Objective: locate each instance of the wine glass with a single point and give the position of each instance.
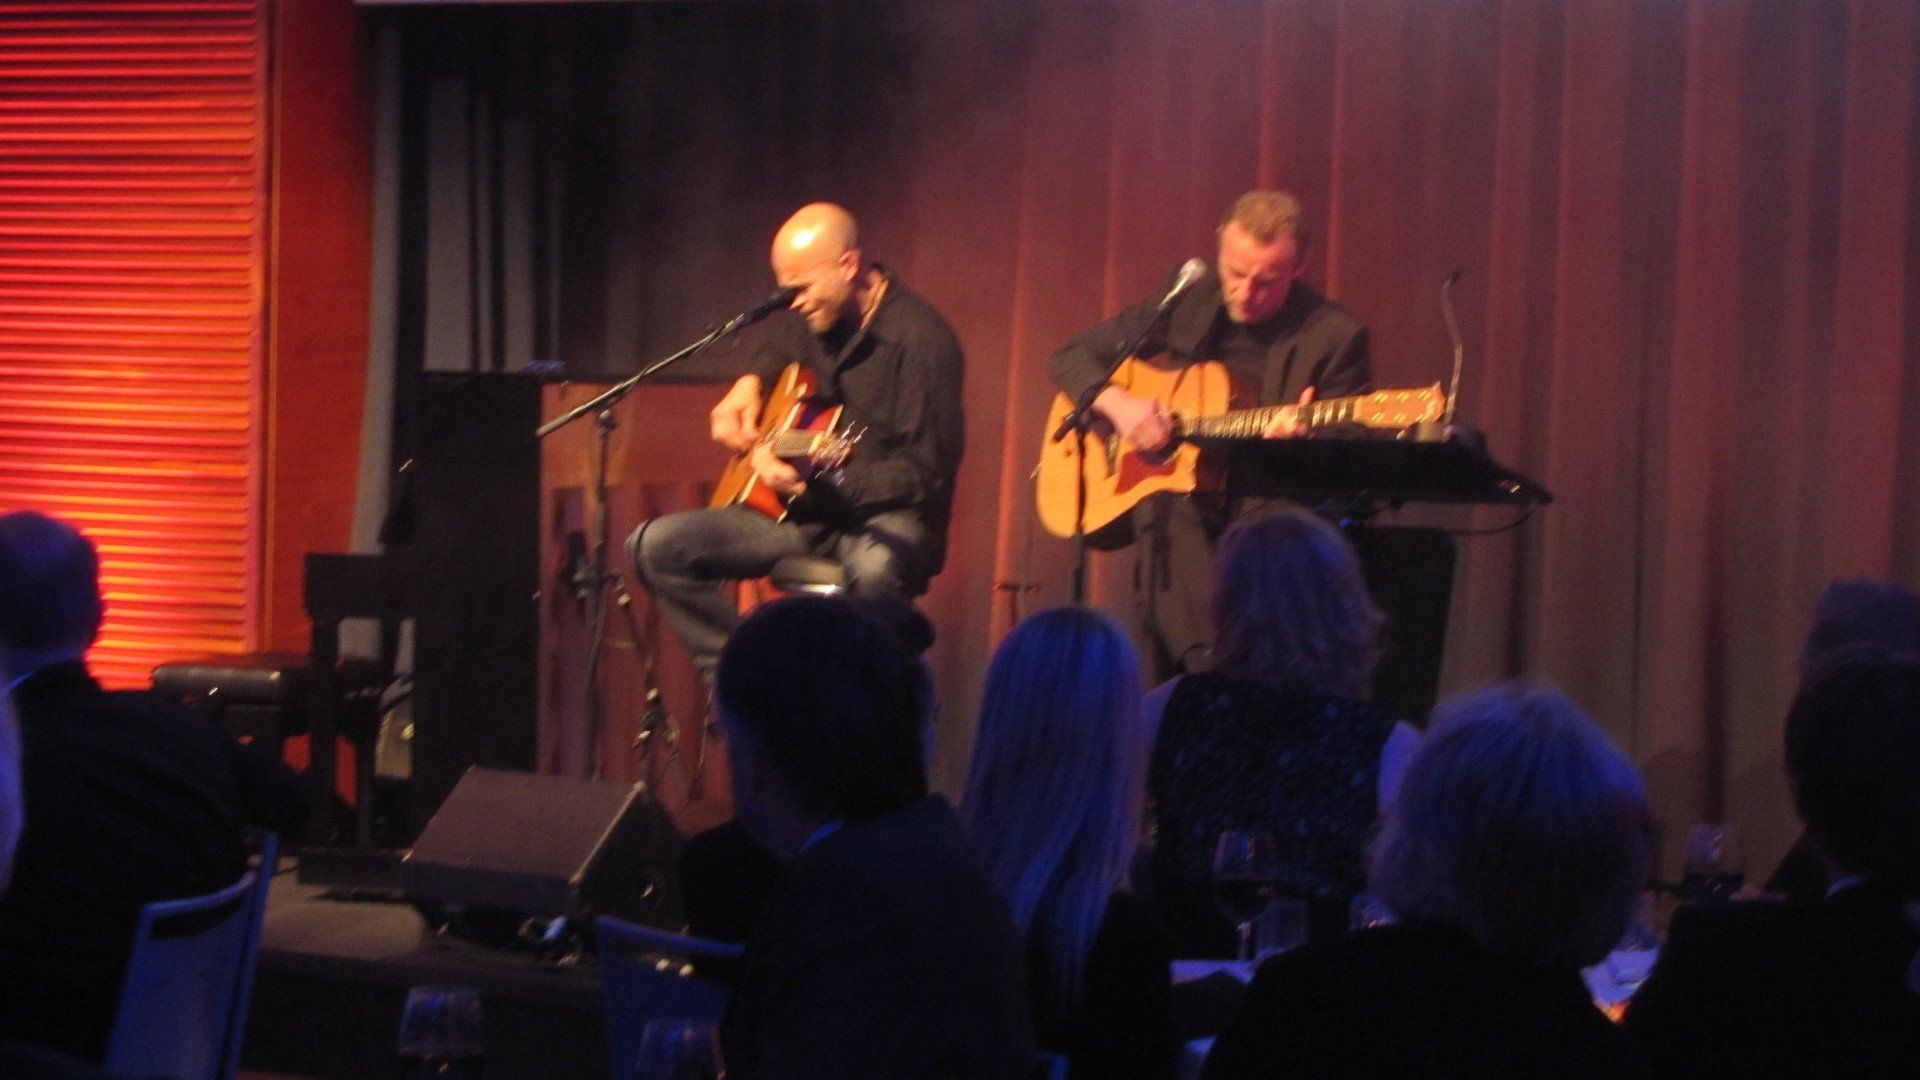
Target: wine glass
(1246, 863)
(1368, 910)
(442, 1034)
(1283, 925)
(680, 1050)
(1714, 870)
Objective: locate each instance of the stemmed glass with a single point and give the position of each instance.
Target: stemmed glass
(1246, 866)
(1714, 870)
(680, 1050)
(442, 1033)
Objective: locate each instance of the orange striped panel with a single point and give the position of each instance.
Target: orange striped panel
(132, 248)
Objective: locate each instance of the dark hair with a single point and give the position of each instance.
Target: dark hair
(1290, 606)
(49, 584)
(1853, 754)
(1861, 612)
(829, 699)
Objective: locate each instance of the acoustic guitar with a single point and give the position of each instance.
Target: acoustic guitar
(1119, 474)
(805, 432)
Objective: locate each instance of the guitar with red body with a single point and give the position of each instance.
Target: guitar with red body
(804, 432)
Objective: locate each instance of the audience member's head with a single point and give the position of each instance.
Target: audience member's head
(1861, 612)
(12, 798)
(1519, 823)
(1290, 606)
(50, 603)
(1853, 755)
(822, 707)
(1053, 799)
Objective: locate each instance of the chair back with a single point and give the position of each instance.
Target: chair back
(647, 973)
(183, 1003)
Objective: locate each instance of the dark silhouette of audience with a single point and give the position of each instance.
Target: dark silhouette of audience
(1858, 612)
(1053, 803)
(1813, 989)
(129, 799)
(1279, 736)
(885, 950)
(1513, 853)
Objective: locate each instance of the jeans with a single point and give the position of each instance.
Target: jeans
(685, 558)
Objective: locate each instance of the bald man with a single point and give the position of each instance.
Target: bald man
(887, 356)
(1280, 340)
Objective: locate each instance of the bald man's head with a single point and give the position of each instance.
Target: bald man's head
(818, 249)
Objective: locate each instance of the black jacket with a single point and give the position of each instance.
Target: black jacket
(884, 952)
(130, 798)
(900, 379)
(1416, 1002)
(1320, 345)
(1760, 989)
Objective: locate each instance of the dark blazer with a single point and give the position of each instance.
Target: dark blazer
(1769, 989)
(885, 952)
(1320, 344)
(130, 798)
(1416, 1001)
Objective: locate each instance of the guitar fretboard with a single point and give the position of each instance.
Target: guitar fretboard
(1251, 423)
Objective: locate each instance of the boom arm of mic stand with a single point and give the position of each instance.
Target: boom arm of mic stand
(1076, 418)
(619, 390)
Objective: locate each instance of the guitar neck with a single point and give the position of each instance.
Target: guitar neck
(1379, 409)
(1251, 423)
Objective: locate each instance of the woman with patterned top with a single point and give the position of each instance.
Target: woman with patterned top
(1279, 736)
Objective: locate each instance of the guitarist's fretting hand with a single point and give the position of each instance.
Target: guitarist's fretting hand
(775, 473)
(1287, 423)
(1142, 421)
(734, 422)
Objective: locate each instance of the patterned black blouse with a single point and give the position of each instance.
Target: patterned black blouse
(1233, 753)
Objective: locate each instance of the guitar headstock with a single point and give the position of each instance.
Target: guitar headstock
(1400, 408)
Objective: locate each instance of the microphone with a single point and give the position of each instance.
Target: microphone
(1459, 349)
(782, 297)
(1191, 271)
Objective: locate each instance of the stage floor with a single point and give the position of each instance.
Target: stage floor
(334, 972)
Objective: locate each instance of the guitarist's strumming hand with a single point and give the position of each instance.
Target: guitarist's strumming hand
(775, 473)
(734, 422)
(1145, 422)
(1286, 423)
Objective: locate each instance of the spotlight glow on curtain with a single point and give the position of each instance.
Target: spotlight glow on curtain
(132, 241)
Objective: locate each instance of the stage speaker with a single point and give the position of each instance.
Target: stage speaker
(546, 846)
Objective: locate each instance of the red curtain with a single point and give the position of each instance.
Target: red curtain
(1687, 234)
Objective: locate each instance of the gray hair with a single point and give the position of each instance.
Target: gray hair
(1519, 823)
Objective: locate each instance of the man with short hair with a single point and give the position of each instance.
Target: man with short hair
(885, 355)
(1280, 340)
(130, 799)
(884, 951)
(1768, 988)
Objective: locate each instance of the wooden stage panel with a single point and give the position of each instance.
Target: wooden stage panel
(660, 460)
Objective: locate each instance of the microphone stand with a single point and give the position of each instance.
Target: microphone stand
(591, 579)
(1076, 421)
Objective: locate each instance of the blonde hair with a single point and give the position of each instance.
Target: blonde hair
(1268, 215)
(1053, 799)
(13, 796)
(1518, 822)
(1290, 607)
